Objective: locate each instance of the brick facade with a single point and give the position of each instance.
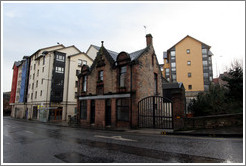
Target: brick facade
(141, 78)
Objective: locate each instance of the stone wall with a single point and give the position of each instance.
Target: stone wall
(214, 121)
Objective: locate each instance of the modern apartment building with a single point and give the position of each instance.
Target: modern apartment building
(46, 83)
(190, 62)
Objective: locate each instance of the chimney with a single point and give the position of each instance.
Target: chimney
(149, 39)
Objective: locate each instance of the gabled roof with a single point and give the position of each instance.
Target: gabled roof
(113, 54)
(47, 48)
(189, 37)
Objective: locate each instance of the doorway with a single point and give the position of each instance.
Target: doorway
(108, 112)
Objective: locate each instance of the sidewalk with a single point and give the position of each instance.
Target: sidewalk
(218, 132)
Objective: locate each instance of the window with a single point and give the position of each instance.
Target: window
(36, 83)
(156, 83)
(44, 60)
(34, 67)
(31, 95)
(84, 83)
(84, 62)
(172, 55)
(167, 72)
(188, 51)
(152, 60)
(173, 64)
(59, 70)
(32, 85)
(204, 55)
(189, 74)
(37, 73)
(100, 75)
(123, 109)
(35, 94)
(190, 87)
(75, 110)
(210, 78)
(79, 62)
(75, 95)
(122, 76)
(41, 93)
(205, 63)
(83, 109)
(43, 69)
(31, 67)
(42, 81)
(60, 58)
(77, 72)
(174, 77)
(188, 63)
(33, 76)
(205, 75)
(204, 51)
(76, 84)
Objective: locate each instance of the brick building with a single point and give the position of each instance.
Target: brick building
(109, 91)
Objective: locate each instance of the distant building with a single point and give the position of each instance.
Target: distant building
(219, 80)
(46, 83)
(190, 62)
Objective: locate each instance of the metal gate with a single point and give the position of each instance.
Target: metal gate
(155, 112)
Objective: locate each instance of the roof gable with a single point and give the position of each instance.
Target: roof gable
(191, 38)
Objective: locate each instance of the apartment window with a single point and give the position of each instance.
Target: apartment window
(36, 83)
(31, 67)
(43, 69)
(37, 73)
(84, 62)
(60, 58)
(122, 76)
(32, 85)
(188, 63)
(77, 72)
(79, 62)
(83, 109)
(210, 78)
(190, 87)
(173, 66)
(41, 93)
(76, 84)
(44, 60)
(84, 83)
(156, 83)
(33, 76)
(31, 95)
(204, 55)
(172, 55)
(204, 51)
(42, 81)
(189, 74)
(205, 63)
(205, 75)
(174, 77)
(100, 75)
(188, 51)
(75, 95)
(122, 109)
(35, 94)
(34, 67)
(59, 70)
(167, 72)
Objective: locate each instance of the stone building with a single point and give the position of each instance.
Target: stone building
(109, 90)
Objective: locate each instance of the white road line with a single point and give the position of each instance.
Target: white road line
(28, 131)
(115, 138)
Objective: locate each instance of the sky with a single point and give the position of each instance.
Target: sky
(29, 26)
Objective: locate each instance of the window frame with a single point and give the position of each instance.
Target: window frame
(119, 106)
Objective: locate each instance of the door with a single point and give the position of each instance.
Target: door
(108, 112)
(35, 112)
(92, 111)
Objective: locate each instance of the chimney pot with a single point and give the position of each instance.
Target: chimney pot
(149, 39)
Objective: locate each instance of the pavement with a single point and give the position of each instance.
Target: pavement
(236, 131)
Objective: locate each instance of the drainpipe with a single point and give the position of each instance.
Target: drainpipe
(67, 86)
(131, 96)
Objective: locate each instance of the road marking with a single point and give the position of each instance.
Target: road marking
(115, 138)
(28, 131)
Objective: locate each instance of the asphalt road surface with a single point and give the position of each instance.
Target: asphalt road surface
(28, 142)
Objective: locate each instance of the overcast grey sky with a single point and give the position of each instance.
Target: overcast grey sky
(27, 27)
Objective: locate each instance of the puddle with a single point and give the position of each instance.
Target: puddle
(75, 157)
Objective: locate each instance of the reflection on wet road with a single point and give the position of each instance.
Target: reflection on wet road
(25, 142)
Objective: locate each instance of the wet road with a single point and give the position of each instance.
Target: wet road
(26, 142)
